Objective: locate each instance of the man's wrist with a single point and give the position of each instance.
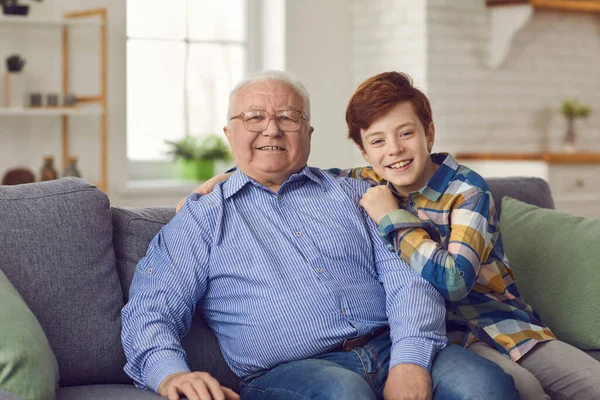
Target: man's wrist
(413, 351)
(163, 368)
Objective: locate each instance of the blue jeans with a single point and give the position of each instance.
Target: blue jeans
(359, 374)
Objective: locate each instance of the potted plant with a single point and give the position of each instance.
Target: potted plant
(197, 156)
(572, 110)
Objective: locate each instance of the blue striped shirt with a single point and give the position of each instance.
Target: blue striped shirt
(278, 276)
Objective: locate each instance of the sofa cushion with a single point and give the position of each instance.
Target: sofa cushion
(27, 365)
(56, 248)
(134, 228)
(555, 257)
(530, 190)
(112, 392)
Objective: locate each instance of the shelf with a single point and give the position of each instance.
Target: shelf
(27, 20)
(551, 158)
(50, 111)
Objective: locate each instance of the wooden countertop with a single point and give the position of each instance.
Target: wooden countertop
(551, 158)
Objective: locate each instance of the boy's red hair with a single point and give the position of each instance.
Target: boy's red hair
(376, 96)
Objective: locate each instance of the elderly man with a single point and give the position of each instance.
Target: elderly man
(290, 273)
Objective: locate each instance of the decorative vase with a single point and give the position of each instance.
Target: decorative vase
(197, 170)
(14, 88)
(570, 140)
(48, 172)
(71, 169)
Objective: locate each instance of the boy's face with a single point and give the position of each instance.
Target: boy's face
(398, 148)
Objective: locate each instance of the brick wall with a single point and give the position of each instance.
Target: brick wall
(389, 35)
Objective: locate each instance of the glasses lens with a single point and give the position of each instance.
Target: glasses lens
(255, 120)
(258, 120)
(288, 120)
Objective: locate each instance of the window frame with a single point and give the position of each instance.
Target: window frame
(161, 170)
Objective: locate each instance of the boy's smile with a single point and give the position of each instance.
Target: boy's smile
(398, 148)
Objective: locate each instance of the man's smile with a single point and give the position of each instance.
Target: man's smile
(271, 148)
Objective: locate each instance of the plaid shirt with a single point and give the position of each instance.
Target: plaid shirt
(448, 232)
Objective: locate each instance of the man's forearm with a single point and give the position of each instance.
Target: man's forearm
(416, 313)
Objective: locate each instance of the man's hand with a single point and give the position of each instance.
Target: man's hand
(206, 187)
(407, 382)
(378, 202)
(194, 386)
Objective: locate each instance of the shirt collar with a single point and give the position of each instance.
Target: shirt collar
(441, 178)
(238, 180)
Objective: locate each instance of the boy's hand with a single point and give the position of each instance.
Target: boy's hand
(206, 187)
(378, 202)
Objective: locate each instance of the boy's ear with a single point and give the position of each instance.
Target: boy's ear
(364, 154)
(430, 136)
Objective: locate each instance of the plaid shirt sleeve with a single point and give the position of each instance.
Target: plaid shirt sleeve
(473, 232)
(362, 173)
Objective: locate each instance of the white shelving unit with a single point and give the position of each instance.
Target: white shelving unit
(90, 106)
(50, 22)
(50, 111)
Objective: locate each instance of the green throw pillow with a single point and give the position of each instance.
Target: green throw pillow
(28, 367)
(556, 260)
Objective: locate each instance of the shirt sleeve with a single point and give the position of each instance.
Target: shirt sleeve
(362, 173)
(167, 284)
(416, 311)
(473, 233)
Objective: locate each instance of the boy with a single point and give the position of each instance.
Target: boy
(439, 216)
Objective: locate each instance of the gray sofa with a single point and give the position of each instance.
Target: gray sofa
(72, 257)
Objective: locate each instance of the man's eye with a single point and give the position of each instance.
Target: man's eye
(254, 118)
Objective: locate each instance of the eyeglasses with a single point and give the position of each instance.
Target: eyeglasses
(258, 120)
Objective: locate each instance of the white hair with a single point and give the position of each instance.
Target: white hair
(276, 75)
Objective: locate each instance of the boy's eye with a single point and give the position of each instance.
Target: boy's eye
(377, 141)
(406, 134)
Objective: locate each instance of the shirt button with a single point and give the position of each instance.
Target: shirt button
(279, 198)
(150, 270)
(298, 233)
(319, 270)
(411, 203)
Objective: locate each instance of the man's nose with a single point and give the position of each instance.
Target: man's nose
(272, 129)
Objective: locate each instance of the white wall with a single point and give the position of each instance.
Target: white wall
(389, 35)
(515, 107)
(319, 51)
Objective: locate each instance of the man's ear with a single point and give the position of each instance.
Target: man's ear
(310, 132)
(430, 136)
(227, 132)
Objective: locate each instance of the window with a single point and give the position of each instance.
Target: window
(183, 59)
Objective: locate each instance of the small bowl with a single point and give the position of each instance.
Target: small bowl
(15, 9)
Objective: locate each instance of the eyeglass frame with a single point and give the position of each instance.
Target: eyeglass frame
(271, 116)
